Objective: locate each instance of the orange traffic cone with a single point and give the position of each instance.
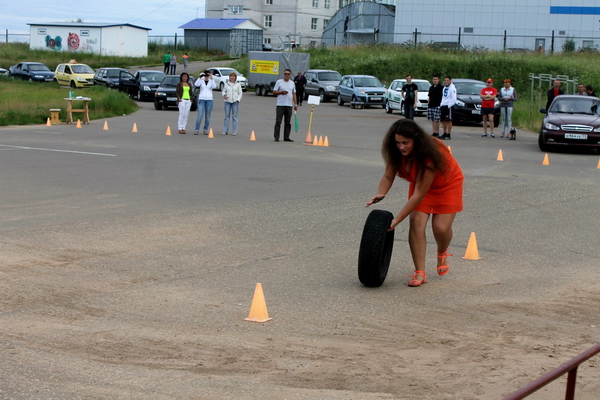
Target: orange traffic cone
(326, 142)
(252, 137)
(308, 138)
(546, 160)
(48, 123)
(105, 125)
(134, 127)
(169, 131)
(320, 140)
(500, 158)
(258, 309)
(210, 134)
(472, 253)
(78, 124)
(315, 141)
(598, 167)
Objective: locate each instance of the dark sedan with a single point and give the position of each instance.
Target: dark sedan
(146, 83)
(31, 71)
(571, 121)
(165, 96)
(468, 103)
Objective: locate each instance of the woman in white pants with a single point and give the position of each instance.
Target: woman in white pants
(507, 97)
(232, 93)
(184, 100)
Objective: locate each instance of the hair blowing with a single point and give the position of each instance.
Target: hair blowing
(426, 148)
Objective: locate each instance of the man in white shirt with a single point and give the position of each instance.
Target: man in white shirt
(448, 100)
(285, 90)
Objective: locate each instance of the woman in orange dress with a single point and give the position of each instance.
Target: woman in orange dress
(435, 189)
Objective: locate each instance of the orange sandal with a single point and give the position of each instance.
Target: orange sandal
(415, 281)
(444, 268)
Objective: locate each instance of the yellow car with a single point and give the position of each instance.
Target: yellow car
(74, 75)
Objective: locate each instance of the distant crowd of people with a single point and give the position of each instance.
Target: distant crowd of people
(170, 62)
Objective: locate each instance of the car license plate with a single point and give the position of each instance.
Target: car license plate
(171, 98)
(478, 112)
(580, 136)
(375, 98)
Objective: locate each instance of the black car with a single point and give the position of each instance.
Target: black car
(468, 103)
(31, 71)
(165, 96)
(110, 77)
(146, 83)
(571, 120)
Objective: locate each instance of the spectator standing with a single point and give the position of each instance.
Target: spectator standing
(488, 101)
(186, 60)
(590, 91)
(300, 82)
(448, 100)
(184, 100)
(173, 63)
(433, 105)
(167, 62)
(410, 94)
(285, 90)
(552, 93)
(205, 85)
(232, 93)
(581, 90)
(508, 96)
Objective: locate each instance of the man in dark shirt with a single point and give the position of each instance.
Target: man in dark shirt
(433, 106)
(552, 93)
(410, 93)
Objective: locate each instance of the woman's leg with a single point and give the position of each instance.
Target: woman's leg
(503, 115)
(227, 106)
(441, 224)
(234, 113)
(201, 104)
(209, 107)
(509, 111)
(418, 240)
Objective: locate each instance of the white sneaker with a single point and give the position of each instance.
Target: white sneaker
(234, 133)
(224, 133)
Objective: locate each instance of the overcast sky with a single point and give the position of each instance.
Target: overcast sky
(162, 16)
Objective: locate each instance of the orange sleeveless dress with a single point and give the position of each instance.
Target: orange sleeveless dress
(445, 196)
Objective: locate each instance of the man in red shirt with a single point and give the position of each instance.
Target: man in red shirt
(555, 91)
(488, 101)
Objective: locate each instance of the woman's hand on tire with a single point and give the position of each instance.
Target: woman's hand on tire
(376, 199)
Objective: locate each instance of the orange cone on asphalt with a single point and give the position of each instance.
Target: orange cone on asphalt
(308, 138)
(315, 141)
(134, 127)
(210, 134)
(169, 131)
(252, 137)
(472, 253)
(326, 142)
(258, 309)
(48, 123)
(598, 167)
(500, 158)
(105, 125)
(78, 124)
(546, 160)
(320, 140)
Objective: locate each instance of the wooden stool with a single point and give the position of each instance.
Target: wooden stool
(54, 117)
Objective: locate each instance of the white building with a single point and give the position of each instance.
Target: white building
(105, 39)
(298, 22)
(508, 24)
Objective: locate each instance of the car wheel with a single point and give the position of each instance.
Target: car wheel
(257, 90)
(157, 106)
(322, 97)
(73, 85)
(387, 107)
(401, 108)
(221, 86)
(376, 247)
(542, 143)
(30, 79)
(139, 95)
(339, 100)
(194, 105)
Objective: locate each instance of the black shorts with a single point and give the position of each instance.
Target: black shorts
(446, 113)
(487, 111)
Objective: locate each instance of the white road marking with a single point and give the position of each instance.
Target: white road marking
(57, 150)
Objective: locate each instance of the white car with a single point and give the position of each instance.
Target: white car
(221, 75)
(3, 71)
(393, 96)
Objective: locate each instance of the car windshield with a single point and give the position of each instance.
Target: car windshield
(82, 69)
(575, 106)
(152, 76)
(227, 71)
(330, 76)
(469, 87)
(113, 73)
(423, 86)
(38, 67)
(367, 82)
(170, 81)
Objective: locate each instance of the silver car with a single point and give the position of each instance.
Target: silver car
(323, 83)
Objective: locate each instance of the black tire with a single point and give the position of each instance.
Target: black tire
(322, 97)
(387, 107)
(194, 105)
(257, 90)
(542, 143)
(376, 247)
(221, 86)
(402, 108)
(157, 106)
(496, 122)
(340, 101)
(73, 85)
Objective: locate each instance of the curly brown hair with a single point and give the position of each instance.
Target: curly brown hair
(426, 148)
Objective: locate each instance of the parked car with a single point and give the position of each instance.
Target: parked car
(3, 71)
(146, 82)
(363, 88)
(74, 75)
(221, 76)
(165, 95)
(468, 102)
(31, 71)
(267, 47)
(109, 76)
(571, 120)
(393, 96)
(323, 83)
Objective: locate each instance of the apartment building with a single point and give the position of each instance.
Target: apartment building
(286, 23)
